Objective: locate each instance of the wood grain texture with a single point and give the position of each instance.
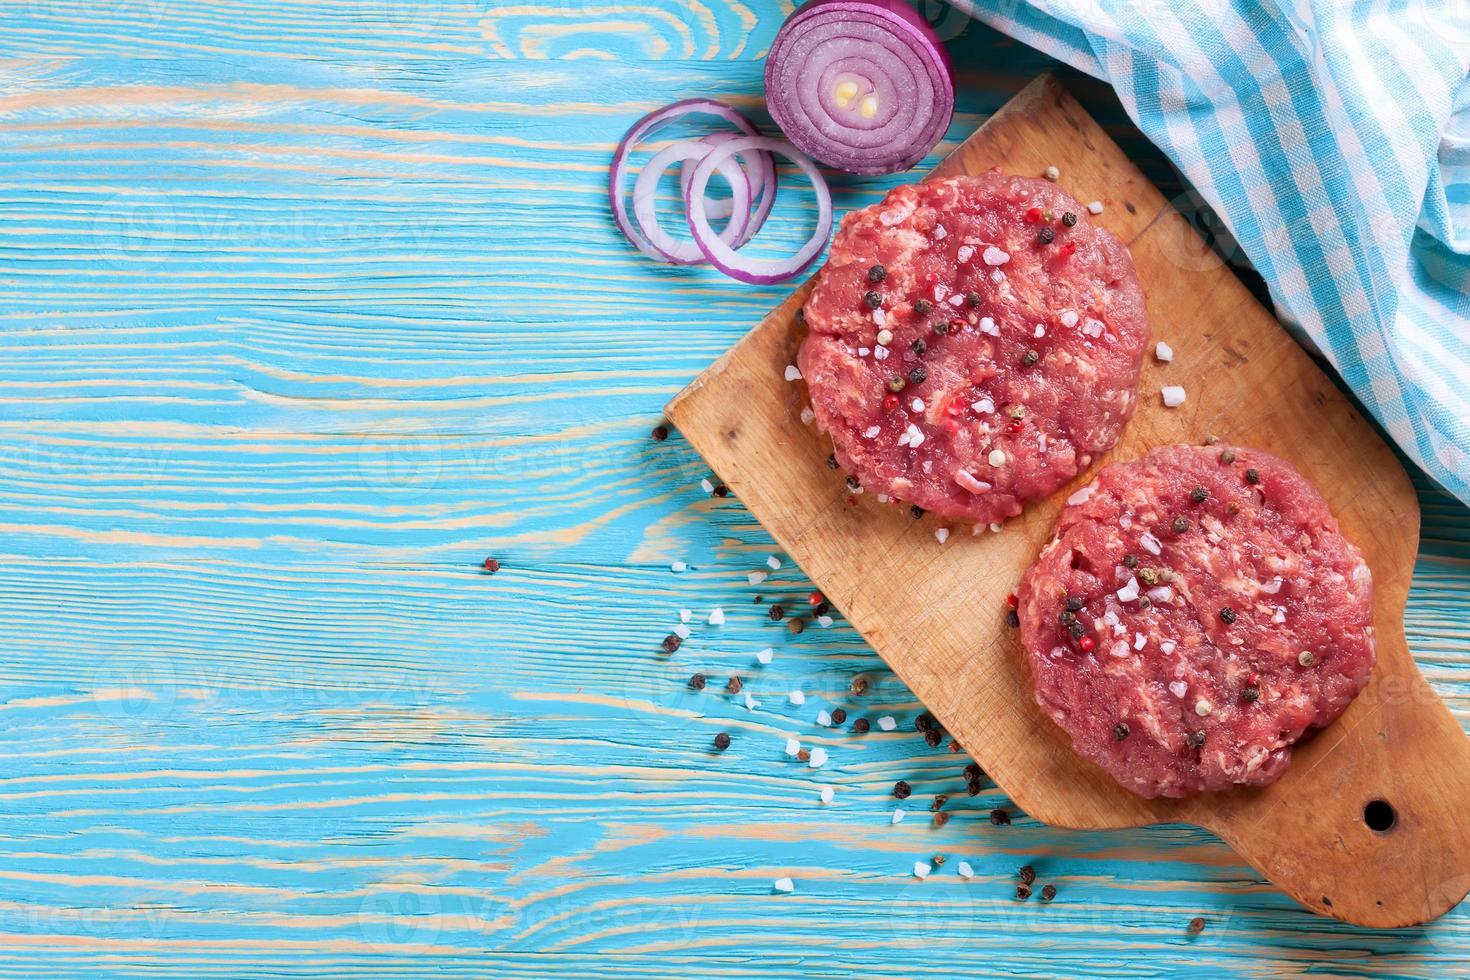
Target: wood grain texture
(306, 308)
(934, 609)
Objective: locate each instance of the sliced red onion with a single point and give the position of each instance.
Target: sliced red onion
(862, 85)
(725, 258)
(643, 127)
(688, 253)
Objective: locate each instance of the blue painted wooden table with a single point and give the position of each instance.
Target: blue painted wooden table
(310, 307)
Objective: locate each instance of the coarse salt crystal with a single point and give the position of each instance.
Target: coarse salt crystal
(942, 533)
(1120, 649)
(995, 527)
(955, 300)
(824, 621)
(1178, 688)
(1139, 641)
(879, 317)
(1068, 318)
(827, 794)
(681, 631)
(818, 759)
(1040, 330)
(887, 723)
(750, 702)
(1081, 496)
(880, 353)
(717, 616)
(1279, 616)
(940, 291)
(756, 578)
(940, 233)
(796, 698)
(964, 870)
(1151, 544)
(824, 719)
(917, 404)
(915, 437)
(1163, 352)
(897, 816)
(1173, 395)
(706, 486)
(984, 406)
(1167, 646)
(685, 614)
(1272, 587)
(807, 415)
(988, 327)
(1095, 207)
(1129, 592)
(872, 431)
(1093, 328)
(965, 252)
(1161, 593)
(995, 256)
(784, 885)
(921, 870)
(677, 566)
(882, 498)
(793, 747)
(996, 458)
(793, 373)
(764, 656)
(773, 562)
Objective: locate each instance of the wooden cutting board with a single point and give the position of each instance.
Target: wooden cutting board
(936, 612)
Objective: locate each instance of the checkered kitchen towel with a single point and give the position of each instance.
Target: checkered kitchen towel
(1333, 138)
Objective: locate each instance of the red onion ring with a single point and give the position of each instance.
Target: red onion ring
(725, 258)
(688, 253)
(862, 85)
(764, 164)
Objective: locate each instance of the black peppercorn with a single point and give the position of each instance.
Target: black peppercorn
(861, 726)
(1227, 456)
(660, 433)
(832, 461)
(915, 511)
(1196, 739)
(721, 490)
(873, 299)
(941, 327)
(1181, 524)
(1074, 604)
(1045, 235)
(1227, 615)
(1120, 730)
(923, 307)
(1251, 694)
(973, 771)
(924, 722)
(722, 741)
(973, 298)
(1130, 560)
(1067, 617)
(918, 346)
(1068, 218)
(877, 274)
(1199, 495)
(1012, 620)
(1075, 628)
(917, 376)
(821, 609)
(902, 790)
(697, 682)
(1252, 476)
(671, 643)
(801, 315)
(1029, 358)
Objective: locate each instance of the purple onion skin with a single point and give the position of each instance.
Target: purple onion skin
(912, 30)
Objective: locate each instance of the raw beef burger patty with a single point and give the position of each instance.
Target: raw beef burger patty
(969, 348)
(1196, 613)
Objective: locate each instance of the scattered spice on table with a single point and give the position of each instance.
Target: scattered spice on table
(1196, 926)
(660, 433)
(902, 790)
(859, 685)
(776, 612)
(722, 741)
(861, 726)
(999, 817)
(795, 625)
(839, 715)
(734, 684)
(1252, 476)
(697, 682)
(721, 490)
(940, 819)
(804, 755)
(1048, 892)
(933, 737)
(1227, 615)
(491, 565)
(939, 802)
(671, 643)
(1027, 874)
(1181, 524)
(1023, 892)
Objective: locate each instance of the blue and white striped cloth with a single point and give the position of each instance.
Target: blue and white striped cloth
(1333, 138)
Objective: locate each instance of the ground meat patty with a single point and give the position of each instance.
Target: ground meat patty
(973, 343)
(1196, 613)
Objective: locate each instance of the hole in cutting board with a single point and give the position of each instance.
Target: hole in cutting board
(1380, 816)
